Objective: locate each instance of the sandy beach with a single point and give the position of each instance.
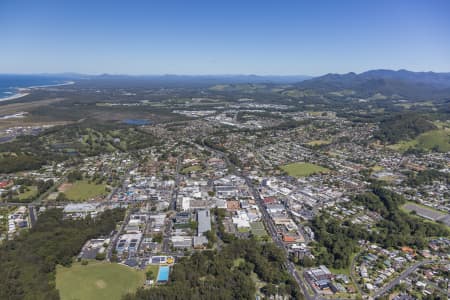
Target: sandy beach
(48, 85)
(22, 92)
(15, 96)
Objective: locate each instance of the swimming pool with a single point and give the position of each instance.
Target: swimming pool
(163, 274)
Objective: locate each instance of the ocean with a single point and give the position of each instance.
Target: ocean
(9, 84)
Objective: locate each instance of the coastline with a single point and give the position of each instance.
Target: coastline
(22, 92)
(47, 85)
(15, 96)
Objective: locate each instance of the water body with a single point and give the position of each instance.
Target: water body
(10, 84)
(136, 122)
(163, 274)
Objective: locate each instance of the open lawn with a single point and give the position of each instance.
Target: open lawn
(377, 168)
(439, 139)
(82, 190)
(319, 142)
(97, 281)
(154, 270)
(303, 169)
(30, 191)
(243, 229)
(434, 139)
(191, 169)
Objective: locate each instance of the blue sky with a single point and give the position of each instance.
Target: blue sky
(223, 37)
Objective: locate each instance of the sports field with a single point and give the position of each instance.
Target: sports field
(257, 229)
(82, 190)
(97, 281)
(303, 169)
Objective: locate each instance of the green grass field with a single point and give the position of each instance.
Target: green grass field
(82, 190)
(257, 229)
(439, 139)
(303, 169)
(191, 169)
(97, 281)
(243, 229)
(31, 192)
(377, 168)
(154, 269)
(319, 142)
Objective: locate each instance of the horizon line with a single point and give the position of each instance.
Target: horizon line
(212, 74)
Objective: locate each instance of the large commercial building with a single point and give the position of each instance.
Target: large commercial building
(204, 221)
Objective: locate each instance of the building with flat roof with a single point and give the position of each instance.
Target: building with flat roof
(226, 191)
(128, 243)
(320, 273)
(181, 242)
(204, 221)
(80, 210)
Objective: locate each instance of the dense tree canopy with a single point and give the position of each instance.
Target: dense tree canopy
(336, 240)
(216, 275)
(27, 263)
(403, 127)
(398, 228)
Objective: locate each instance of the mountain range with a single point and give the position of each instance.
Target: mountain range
(401, 83)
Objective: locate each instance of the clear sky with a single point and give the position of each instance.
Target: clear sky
(223, 37)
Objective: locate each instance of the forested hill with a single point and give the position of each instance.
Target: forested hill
(402, 83)
(403, 127)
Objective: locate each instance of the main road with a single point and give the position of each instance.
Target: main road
(172, 207)
(289, 265)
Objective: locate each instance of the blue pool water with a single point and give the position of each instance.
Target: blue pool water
(163, 274)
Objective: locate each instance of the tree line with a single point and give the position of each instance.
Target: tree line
(226, 274)
(28, 263)
(337, 240)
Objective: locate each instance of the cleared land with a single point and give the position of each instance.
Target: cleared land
(434, 139)
(303, 169)
(97, 281)
(83, 190)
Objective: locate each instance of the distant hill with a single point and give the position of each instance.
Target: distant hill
(402, 83)
(171, 80)
(403, 127)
